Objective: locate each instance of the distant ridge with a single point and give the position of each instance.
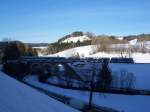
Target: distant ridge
(38, 44)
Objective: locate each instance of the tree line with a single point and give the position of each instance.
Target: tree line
(15, 49)
(57, 47)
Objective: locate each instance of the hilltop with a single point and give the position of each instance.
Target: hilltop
(104, 43)
(76, 37)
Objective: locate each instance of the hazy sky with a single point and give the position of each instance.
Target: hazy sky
(48, 20)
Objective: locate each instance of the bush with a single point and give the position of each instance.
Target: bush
(127, 79)
(123, 79)
(43, 74)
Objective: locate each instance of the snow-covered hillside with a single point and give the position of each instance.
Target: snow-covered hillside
(145, 44)
(87, 51)
(39, 47)
(76, 39)
(133, 42)
(120, 38)
(17, 97)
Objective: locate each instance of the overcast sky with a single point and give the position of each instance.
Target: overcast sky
(48, 20)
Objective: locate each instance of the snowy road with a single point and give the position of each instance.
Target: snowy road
(72, 102)
(125, 103)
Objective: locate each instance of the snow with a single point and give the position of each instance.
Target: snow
(137, 57)
(133, 42)
(119, 46)
(120, 38)
(87, 51)
(76, 39)
(39, 47)
(141, 57)
(124, 103)
(18, 97)
(140, 71)
(147, 44)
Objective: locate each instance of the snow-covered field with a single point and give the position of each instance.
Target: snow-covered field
(124, 103)
(140, 71)
(135, 42)
(87, 51)
(18, 97)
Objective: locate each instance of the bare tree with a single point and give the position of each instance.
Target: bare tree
(115, 79)
(130, 81)
(102, 43)
(127, 79)
(129, 51)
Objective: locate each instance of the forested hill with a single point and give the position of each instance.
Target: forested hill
(77, 39)
(38, 44)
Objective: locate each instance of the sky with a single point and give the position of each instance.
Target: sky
(48, 20)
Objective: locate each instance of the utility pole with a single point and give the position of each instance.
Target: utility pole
(91, 87)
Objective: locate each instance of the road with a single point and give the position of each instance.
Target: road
(72, 102)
